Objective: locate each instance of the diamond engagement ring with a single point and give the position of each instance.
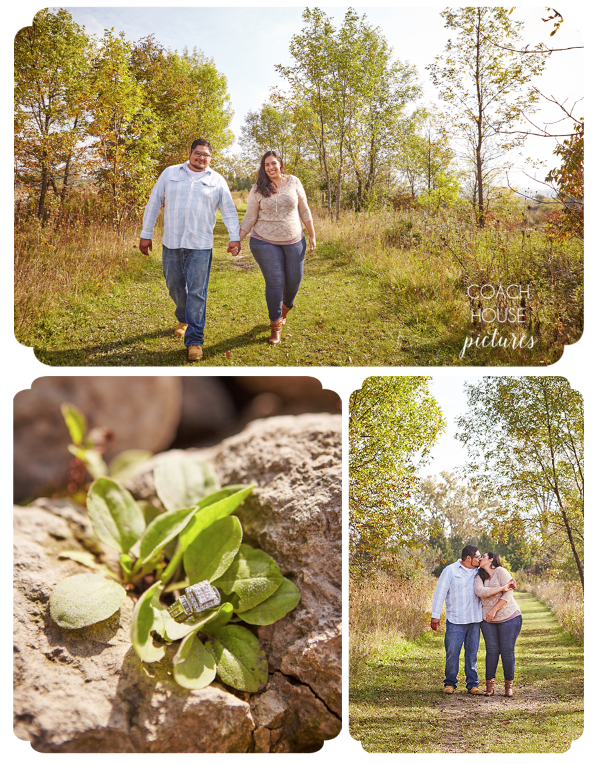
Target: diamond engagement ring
(197, 598)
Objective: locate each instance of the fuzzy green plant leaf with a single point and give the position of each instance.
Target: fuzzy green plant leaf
(213, 550)
(174, 630)
(85, 599)
(115, 516)
(149, 616)
(75, 421)
(125, 464)
(88, 560)
(241, 662)
(161, 531)
(182, 479)
(194, 666)
(211, 511)
(284, 599)
(252, 578)
(222, 618)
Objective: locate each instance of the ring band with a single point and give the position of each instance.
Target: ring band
(197, 598)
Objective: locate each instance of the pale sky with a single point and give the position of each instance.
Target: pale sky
(246, 42)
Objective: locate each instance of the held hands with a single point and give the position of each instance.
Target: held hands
(146, 246)
(234, 247)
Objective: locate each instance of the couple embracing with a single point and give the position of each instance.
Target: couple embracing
(192, 193)
(478, 595)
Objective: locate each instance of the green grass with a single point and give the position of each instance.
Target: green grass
(348, 313)
(397, 703)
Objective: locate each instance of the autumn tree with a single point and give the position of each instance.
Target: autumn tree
(485, 88)
(525, 437)
(51, 99)
(125, 129)
(187, 94)
(393, 424)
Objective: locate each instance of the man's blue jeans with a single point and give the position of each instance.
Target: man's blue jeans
(186, 274)
(500, 639)
(456, 635)
(282, 268)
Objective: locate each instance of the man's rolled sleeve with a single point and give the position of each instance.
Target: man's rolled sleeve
(228, 212)
(440, 594)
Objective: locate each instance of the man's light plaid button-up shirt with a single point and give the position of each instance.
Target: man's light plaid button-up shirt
(456, 588)
(191, 201)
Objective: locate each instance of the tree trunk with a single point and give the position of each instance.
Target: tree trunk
(479, 127)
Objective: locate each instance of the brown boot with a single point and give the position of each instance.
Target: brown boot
(509, 690)
(195, 353)
(275, 331)
(490, 687)
(181, 330)
(285, 311)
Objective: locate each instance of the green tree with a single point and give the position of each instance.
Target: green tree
(51, 64)
(346, 93)
(125, 128)
(525, 437)
(393, 423)
(485, 87)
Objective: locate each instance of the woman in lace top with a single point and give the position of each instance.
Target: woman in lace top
(502, 619)
(276, 213)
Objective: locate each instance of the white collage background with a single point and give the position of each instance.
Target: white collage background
(20, 368)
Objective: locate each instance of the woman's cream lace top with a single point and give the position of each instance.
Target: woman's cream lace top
(500, 578)
(278, 217)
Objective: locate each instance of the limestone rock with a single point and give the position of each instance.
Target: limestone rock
(143, 412)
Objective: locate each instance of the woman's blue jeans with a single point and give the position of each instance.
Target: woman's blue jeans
(282, 268)
(500, 640)
(186, 274)
(456, 635)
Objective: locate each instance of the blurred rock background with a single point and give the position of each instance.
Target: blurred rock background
(153, 413)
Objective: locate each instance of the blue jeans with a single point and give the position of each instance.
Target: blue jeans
(282, 268)
(500, 639)
(186, 274)
(456, 635)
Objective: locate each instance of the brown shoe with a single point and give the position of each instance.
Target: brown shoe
(475, 691)
(490, 687)
(275, 331)
(181, 330)
(285, 311)
(448, 689)
(194, 352)
(509, 690)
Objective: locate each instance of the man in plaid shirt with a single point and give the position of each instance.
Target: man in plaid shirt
(464, 614)
(191, 193)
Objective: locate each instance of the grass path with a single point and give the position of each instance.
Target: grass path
(344, 316)
(397, 703)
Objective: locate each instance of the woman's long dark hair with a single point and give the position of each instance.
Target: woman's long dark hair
(263, 183)
(495, 562)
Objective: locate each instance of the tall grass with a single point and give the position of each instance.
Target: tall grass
(384, 608)
(73, 255)
(430, 259)
(566, 600)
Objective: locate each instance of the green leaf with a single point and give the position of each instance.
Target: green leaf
(182, 479)
(161, 531)
(252, 578)
(211, 511)
(194, 666)
(213, 550)
(216, 617)
(222, 618)
(148, 616)
(114, 515)
(88, 560)
(284, 599)
(241, 662)
(125, 464)
(83, 600)
(75, 421)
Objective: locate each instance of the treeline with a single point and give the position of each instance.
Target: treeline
(108, 111)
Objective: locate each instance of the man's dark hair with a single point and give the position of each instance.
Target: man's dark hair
(468, 551)
(201, 142)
